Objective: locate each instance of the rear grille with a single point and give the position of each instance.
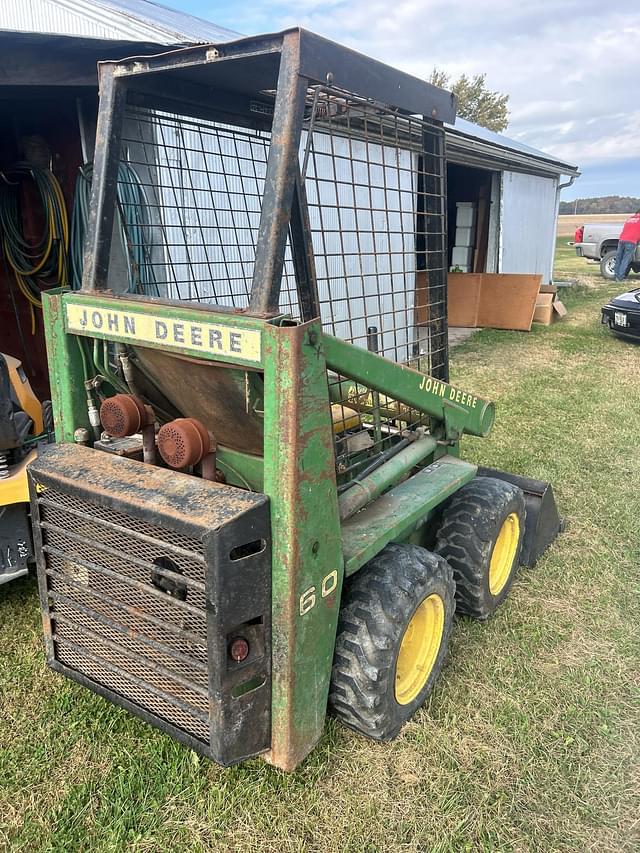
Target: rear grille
(146, 577)
(112, 617)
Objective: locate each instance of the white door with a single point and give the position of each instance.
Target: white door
(528, 224)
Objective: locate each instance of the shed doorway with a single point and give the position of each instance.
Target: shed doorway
(473, 212)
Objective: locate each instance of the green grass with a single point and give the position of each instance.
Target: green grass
(569, 266)
(530, 740)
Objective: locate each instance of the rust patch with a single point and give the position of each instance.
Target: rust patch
(195, 502)
(215, 396)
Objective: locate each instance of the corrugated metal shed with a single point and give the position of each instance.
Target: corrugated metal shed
(130, 20)
(146, 21)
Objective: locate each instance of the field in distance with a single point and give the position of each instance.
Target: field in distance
(568, 224)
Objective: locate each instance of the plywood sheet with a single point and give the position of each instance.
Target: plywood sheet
(464, 298)
(422, 299)
(508, 301)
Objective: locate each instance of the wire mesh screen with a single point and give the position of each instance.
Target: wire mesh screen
(374, 182)
(376, 205)
(202, 186)
(375, 189)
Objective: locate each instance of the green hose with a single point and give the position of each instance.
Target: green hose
(133, 226)
(109, 375)
(83, 356)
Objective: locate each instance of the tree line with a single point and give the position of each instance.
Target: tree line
(601, 204)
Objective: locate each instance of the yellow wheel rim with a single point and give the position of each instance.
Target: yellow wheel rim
(419, 649)
(504, 553)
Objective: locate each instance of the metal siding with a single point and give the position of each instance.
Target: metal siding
(62, 17)
(527, 223)
(108, 19)
(355, 251)
(180, 26)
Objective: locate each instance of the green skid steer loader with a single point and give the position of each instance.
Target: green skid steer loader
(255, 512)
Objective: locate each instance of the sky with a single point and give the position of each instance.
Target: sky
(571, 67)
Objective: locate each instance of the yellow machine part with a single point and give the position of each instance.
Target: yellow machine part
(344, 418)
(14, 489)
(28, 401)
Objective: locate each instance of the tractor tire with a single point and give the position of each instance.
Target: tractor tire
(608, 265)
(392, 640)
(480, 536)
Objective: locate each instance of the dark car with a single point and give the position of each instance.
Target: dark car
(622, 314)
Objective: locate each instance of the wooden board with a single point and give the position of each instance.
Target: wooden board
(507, 300)
(464, 298)
(421, 309)
(482, 227)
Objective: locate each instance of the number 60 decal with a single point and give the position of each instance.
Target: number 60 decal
(308, 597)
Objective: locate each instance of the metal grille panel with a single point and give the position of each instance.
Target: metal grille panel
(135, 526)
(110, 677)
(201, 186)
(113, 619)
(375, 190)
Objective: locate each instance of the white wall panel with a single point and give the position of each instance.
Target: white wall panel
(528, 224)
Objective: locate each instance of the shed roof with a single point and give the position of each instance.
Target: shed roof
(152, 23)
(475, 145)
(111, 20)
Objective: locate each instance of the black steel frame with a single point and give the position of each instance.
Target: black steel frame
(290, 63)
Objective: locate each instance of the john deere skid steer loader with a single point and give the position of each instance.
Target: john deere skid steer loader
(256, 511)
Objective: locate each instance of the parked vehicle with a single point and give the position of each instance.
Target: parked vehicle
(598, 241)
(622, 314)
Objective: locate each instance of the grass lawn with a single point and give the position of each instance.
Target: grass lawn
(531, 738)
(569, 266)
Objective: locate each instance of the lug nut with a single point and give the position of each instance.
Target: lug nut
(239, 649)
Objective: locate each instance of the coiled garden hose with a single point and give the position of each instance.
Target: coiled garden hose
(43, 262)
(133, 227)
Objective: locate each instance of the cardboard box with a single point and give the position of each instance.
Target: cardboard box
(544, 309)
(548, 308)
(559, 309)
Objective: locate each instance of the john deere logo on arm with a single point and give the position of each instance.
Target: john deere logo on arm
(212, 339)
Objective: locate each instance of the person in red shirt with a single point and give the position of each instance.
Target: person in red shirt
(627, 242)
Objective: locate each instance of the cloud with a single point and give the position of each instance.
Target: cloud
(571, 68)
